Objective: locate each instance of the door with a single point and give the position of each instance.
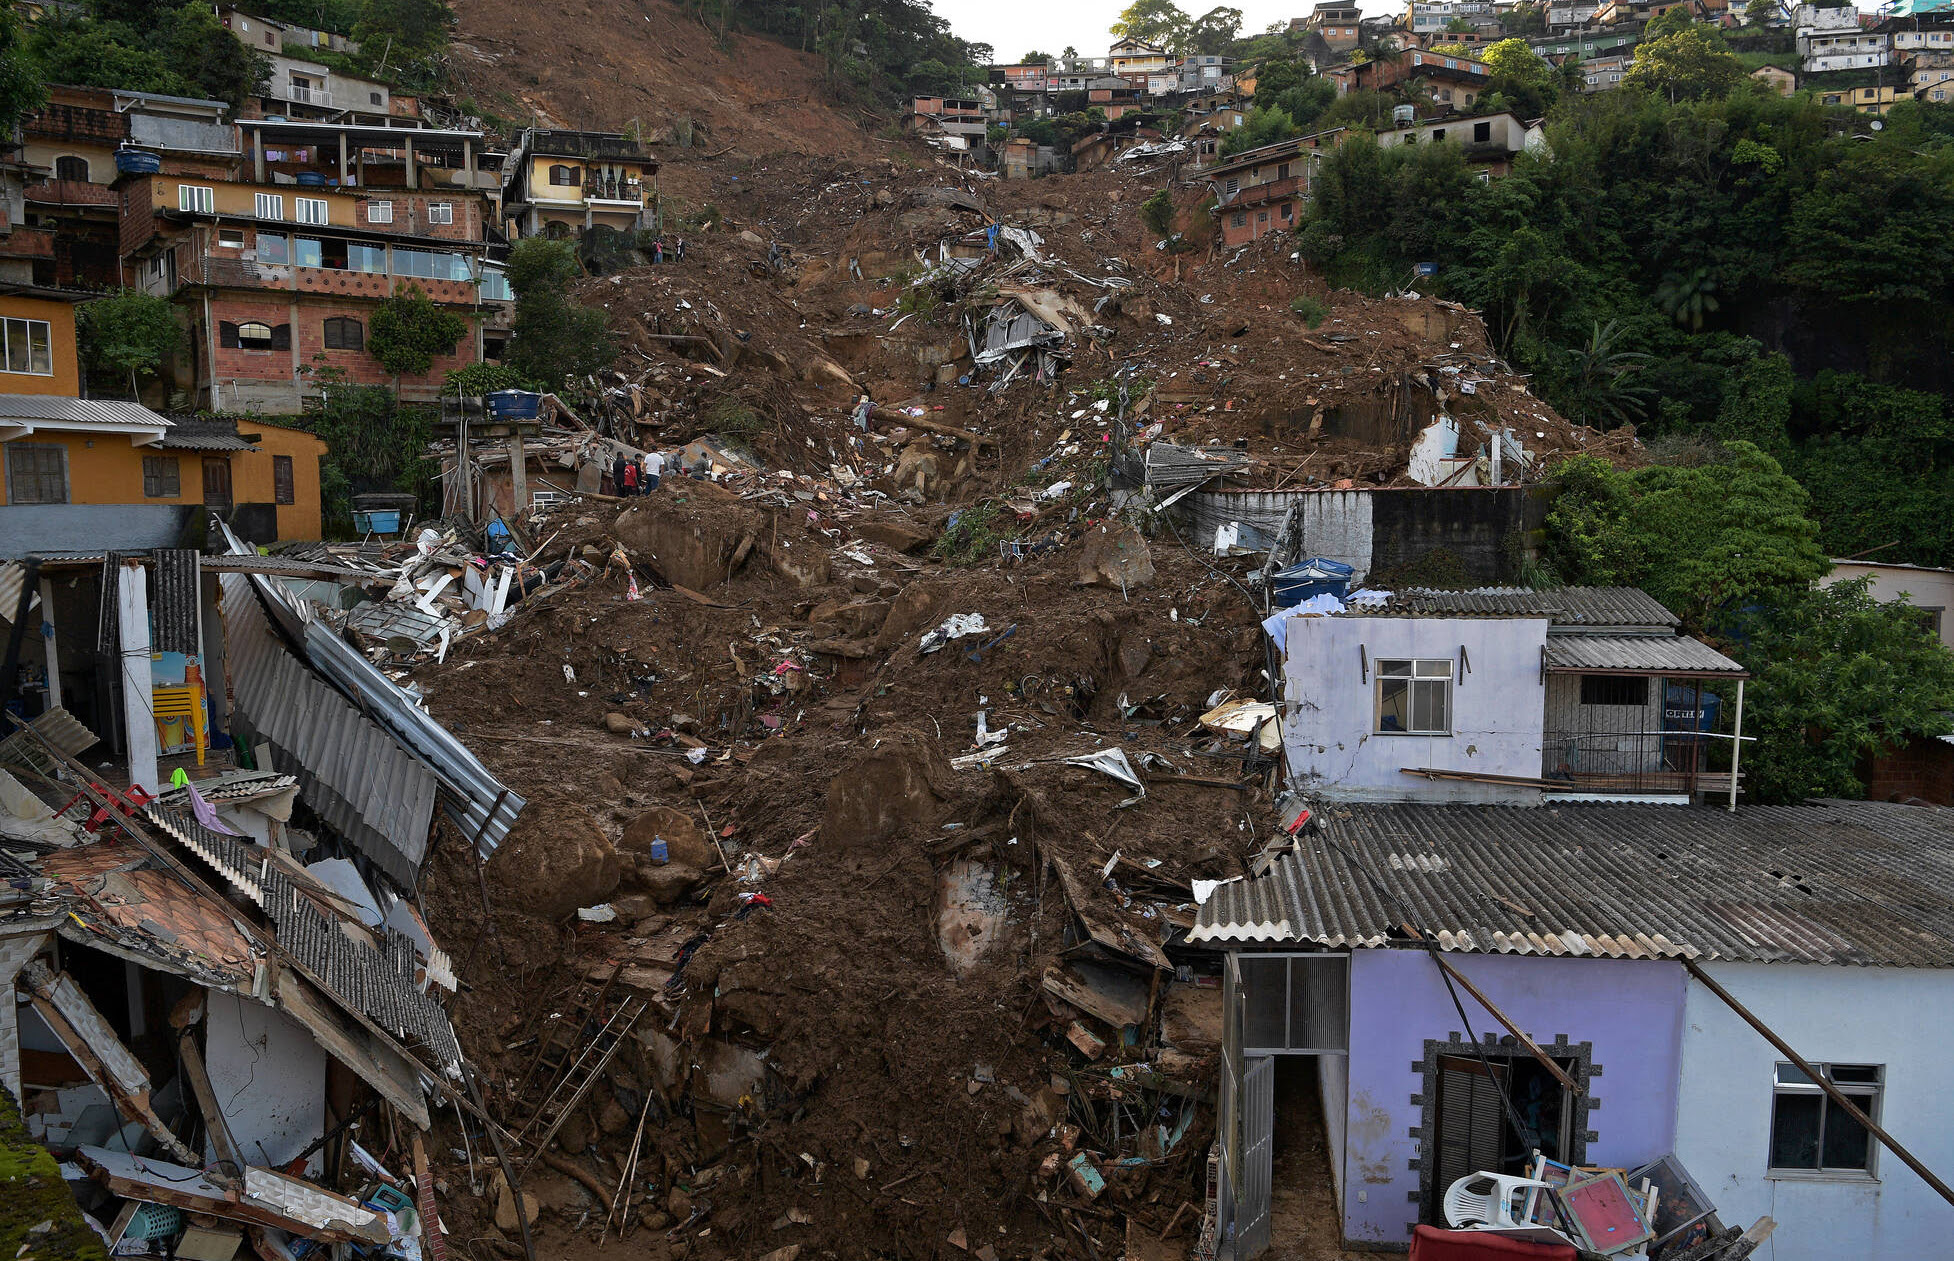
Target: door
(1258, 1156)
(217, 485)
(1471, 1127)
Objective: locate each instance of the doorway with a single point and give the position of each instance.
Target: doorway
(217, 485)
(1471, 1130)
(1305, 1223)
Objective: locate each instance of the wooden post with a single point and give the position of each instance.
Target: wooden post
(48, 644)
(518, 475)
(1736, 746)
(1818, 1079)
(139, 723)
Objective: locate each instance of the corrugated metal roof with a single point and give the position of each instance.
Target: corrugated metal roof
(1567, 606)
(1869, 883)
(176, 594)
(353, 772)
(1657, 654)
(78, 411)
(204, 434)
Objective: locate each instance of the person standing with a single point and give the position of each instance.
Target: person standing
(681, 250)
(630, 479)
(654, 469)
(617, 475)
(864, 406)
(657, 252)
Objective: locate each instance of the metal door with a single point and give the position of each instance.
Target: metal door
(1258, 1121)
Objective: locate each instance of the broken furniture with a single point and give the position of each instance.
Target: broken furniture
(1495, 1209)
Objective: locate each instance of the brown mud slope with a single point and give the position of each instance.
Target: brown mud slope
(615, 64)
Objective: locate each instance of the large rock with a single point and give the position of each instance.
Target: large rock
(1113, 555)
(901, 783)
(855, 620)
(555, 861)
(685, 844)
(668, 882)
(897, 536)
(916, 606)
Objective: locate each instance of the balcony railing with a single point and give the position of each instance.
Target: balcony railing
(1637, 763)
(300, 94)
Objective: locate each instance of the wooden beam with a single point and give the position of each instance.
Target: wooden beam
(1533, 1048)
(1832, 1092)
(214, 1123)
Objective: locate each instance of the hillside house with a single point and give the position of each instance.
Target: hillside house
(1582, 944)
(1428, 19)
(1450, 80)
(564, 183)
(1137, 57)
(1506, 695)
(1490, 143)
(1931, 75)
(1263, 190)
(300, 88)
(1777, 78)
(1833, 39)
(960, 124)
(1570, 14)
(1603, 74)
(1336, 24)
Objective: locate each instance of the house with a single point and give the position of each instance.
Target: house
(1024, 159)
(1585, 43)
(1570, 14)
(1427, 19)
(1932, 75)
(1777, 78)
(278, 278)
(304, 89)
(1507, 695)
(564, 183)
(1450, 80)
(1833, 39)
(268, 36)
(1411, 966)
(1602, 74)
(82, 139)
(1336, 24)
(1867, 91)
(1925, 588)
(1114, 95)
(1490, 143)
(1920, 33)
(961, 123)
(1136, 56)
(1204, 74)
(1263, 190)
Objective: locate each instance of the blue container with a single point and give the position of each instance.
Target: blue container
(311, 179)
(1317, 576)
(136, 162)
(377, 522)
(514, 404)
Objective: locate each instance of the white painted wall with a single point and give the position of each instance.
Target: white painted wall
(269, 1077)
(1497, 708)
(1923, 588)
(1900, 1017)
(1333, 1086)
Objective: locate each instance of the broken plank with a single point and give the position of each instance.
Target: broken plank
(1110, 994)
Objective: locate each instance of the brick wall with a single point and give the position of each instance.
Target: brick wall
(138, 216)
(1921, 768)
(276, 368)
(410, 213)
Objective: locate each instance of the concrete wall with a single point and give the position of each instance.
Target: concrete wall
(31, 528)
(1496, 708)
(1629, 1011)
(269, 1077)
(1902, 1018)
(1923, 588)
(1333, 1085)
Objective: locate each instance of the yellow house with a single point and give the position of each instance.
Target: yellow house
(1134, 56)
(562, 183)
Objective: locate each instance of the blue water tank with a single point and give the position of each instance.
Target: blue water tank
(311, 179)
(136, 162)
(514, 404)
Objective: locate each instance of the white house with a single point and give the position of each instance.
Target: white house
(1505, 695)
(1833, 39)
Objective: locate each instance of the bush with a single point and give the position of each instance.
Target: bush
(1157, 213)
(1313, 310)
(409, 331)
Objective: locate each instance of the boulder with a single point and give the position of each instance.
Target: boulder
(901, 783)
(916, 606)
(666, 883)
(1113, 555)
(505, 1210)
(897, 536)
(619, 724)
(555, 861)
(855, 620)
(685, 844)
(691, 543)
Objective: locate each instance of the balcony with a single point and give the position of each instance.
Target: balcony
(1263, 194)
(316, 97)
(1639, 735)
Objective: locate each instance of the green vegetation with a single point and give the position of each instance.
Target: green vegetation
(554, 336)
(38, 1214)
(1314, 310)
(408, 331)
(973, 534)
(373, 443)
(1157, 214)
(144, 46)
(486, 378)
(21, 88)
(873, 49)
(1165, 25)
(128, 334)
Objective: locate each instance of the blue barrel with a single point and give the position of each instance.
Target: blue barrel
(1316, 576)
(311, 179)
(514, 404)
(136, 162)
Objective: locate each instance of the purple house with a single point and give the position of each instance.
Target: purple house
(1417, 992)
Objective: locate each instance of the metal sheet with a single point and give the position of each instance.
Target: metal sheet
(1868, 883)
(1567, 606)
(176, 591)
(1655, 654)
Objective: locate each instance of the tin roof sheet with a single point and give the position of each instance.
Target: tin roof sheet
(79, 411)
(1868, 883)
(1656, 654)
(1565, 606)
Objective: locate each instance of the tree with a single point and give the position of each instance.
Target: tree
(1601, 388)
(21, 89)
(1211, 34)
(129, 333)
(408, 331)
(1157, 213)
(1457, 26)
(1262, 126)
(1705, 540)
(1157, 22)
(372, 443)
(553, 336)
(1835, 676)
(1688, 65)
(391, 32)
(1515, 61)
(1035, 58)
(1761, 12)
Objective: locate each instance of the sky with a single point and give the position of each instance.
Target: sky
(1015, 27)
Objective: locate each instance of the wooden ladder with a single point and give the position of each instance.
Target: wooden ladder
(575, 1084)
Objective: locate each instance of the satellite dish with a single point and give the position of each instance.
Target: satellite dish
(1878, 125)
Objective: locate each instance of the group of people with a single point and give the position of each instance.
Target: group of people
(660, 251)
(641, 476)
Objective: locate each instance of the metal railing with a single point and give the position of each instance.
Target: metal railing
(1637, 762)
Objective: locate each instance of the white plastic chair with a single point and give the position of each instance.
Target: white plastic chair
(1466, 1209)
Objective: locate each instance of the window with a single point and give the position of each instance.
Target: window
(373, 98)
(440, 212)
(270, 206)
(564, 176)
(1414, 697)
(366, 258)
(1611, 689)
(161, 477)
(1240, 220)
(1232, 186)
(345, 333)
(379, 212)
(1482, 132)
(274, 247)
(431, 265)
(1812, 1134)
(281, 479)
(196, 199)
(495, 286)
(254, 335)
(71, 168)
(28, 348)
(36, 474)
(313, 210)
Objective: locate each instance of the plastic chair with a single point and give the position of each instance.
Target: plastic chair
(1466, 1209)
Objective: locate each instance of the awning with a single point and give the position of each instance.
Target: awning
(1674, 656)
(24, 415)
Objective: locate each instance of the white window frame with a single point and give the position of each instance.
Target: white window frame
(1788, 1081)
(441, 212)
(1425, 676)
(380, 211)
(197, 199)
(313, 210)
(270, 205)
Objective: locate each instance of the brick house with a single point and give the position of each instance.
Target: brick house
(1451, 80)
(279, 280)
(563, 183)
(1263, 190)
